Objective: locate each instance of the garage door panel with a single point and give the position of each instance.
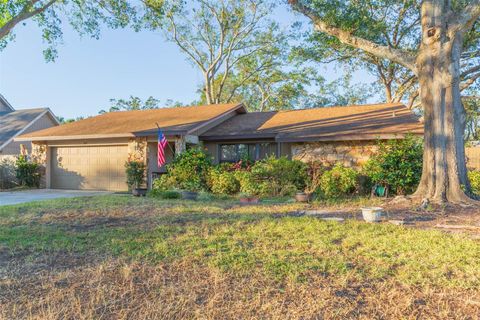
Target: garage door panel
(89, 167)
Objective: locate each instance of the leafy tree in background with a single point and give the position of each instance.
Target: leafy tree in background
(64, 120)
(472, 108)
(85, 16)
(287, 84)
(136, 103)
(442, 54)
(244, 56)
(133, 103)
(217, 36)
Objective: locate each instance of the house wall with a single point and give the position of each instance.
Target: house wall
(472, 156)
(349, 153)
(13, 148)
(152, 157)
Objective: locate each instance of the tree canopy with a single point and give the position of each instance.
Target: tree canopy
(85, 16)
(392, 24)
(244, 55)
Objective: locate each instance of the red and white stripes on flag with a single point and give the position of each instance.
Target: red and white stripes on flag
(162, 144)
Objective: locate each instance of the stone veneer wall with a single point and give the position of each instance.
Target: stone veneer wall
(349, 153)
(39, 155)
(138, 150)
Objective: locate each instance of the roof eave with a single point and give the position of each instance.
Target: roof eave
(76, 137)
(346, 137)
(148, 133)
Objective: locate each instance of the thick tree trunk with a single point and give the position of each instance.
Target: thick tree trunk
(437, 66)
(444, 176)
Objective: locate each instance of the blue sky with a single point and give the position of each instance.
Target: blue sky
(89, 72)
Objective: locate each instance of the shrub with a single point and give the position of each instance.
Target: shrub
(246, 182)
(222, 181)
(279, 176)
(27, 172)
(136, 173)
(188, 171)
(474, 177)
(398, 164)
(7, 174)
(339, 181)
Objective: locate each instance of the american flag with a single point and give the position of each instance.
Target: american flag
(162, 143)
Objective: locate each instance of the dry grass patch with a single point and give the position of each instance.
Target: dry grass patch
(186, 289)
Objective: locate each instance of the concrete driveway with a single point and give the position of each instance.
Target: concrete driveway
(16, 197)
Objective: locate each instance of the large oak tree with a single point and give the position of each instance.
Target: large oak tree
(444, 28)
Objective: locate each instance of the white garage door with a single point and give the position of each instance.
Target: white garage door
(89, 168)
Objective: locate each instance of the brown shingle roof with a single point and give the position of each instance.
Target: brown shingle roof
(321, 124)
(126, 123)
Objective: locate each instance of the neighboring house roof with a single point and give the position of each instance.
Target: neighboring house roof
(320, 124)
(178, 120)
(5, 106)
(14, 123)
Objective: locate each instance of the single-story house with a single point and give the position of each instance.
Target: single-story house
(91, 153)
(14, 123)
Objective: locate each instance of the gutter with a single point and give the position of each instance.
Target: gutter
(239, 137)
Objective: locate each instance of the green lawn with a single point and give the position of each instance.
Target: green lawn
(255, 252)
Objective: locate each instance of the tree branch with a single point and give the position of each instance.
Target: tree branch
(404, 86)
(403, 57)
(469, 71)
(25, 14)
(178, 41)
(470, 81)
(464, 21)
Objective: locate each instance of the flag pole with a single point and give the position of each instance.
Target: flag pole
(168, 143)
